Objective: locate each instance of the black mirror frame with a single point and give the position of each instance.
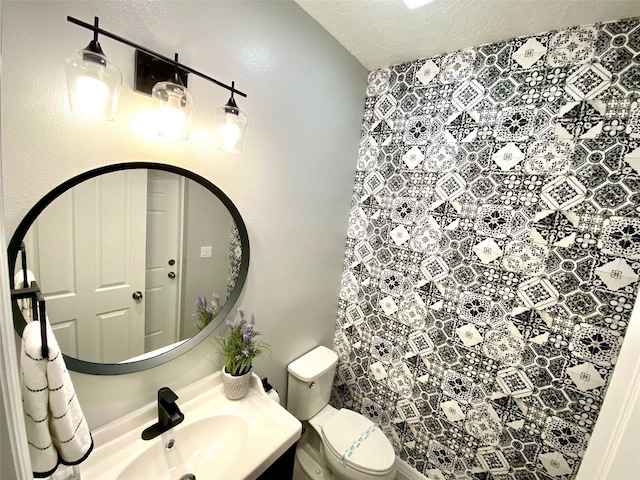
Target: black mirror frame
(93, 368)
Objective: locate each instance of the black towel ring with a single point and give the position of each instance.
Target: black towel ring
(33, 293)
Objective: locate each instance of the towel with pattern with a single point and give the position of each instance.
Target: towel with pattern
(57, 431)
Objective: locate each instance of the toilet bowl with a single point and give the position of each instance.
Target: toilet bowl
(338, 443)
(353, 446)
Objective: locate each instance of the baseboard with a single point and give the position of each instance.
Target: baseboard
(407, 472)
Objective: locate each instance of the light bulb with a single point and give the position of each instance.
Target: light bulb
(91, 96)
(230, 133)
(171, 117)
(170, 121)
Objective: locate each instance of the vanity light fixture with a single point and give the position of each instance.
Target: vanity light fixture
(230, 125)
(161, 77)
(93, 81)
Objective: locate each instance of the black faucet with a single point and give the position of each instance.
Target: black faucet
(169, 415)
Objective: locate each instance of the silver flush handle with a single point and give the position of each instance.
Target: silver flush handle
(312, 385)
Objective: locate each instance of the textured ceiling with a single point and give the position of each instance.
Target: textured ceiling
(380, 33)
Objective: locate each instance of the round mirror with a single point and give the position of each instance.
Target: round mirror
(121, 254)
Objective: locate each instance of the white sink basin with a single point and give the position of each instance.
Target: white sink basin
(218, 439)
(207, 445)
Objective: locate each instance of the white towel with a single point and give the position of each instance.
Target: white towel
(24, 303)
(56, 428)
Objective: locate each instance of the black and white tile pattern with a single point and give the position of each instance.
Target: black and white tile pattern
(493, 251)
(235, 259)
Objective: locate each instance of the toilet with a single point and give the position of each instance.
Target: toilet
(336, 444)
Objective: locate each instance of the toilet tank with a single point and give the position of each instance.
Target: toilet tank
(310, 381)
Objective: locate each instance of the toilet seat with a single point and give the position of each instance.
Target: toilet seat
(357, 443)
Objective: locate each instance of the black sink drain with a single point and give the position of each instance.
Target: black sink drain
(188, 476)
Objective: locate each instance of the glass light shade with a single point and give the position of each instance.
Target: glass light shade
(175, 106)
(231, 125)
(93, 83)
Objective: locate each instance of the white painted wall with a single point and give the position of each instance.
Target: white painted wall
(14, 460)
(292, 184)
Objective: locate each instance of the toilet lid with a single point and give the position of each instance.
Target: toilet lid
(358, 443)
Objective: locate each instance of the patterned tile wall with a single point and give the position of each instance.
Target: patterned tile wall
(235, 259)
(493, 251)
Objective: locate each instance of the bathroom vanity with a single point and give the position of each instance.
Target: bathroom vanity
(251, 438)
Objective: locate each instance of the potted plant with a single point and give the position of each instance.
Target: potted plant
(205, 311)
(239, 347)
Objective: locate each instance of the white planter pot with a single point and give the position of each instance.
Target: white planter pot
(235, 388)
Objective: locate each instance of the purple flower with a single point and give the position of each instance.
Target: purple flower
(200, 302)
(246, 333)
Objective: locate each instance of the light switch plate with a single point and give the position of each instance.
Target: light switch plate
(205, 252)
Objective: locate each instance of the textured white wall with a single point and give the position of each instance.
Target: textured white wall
(292, 184)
